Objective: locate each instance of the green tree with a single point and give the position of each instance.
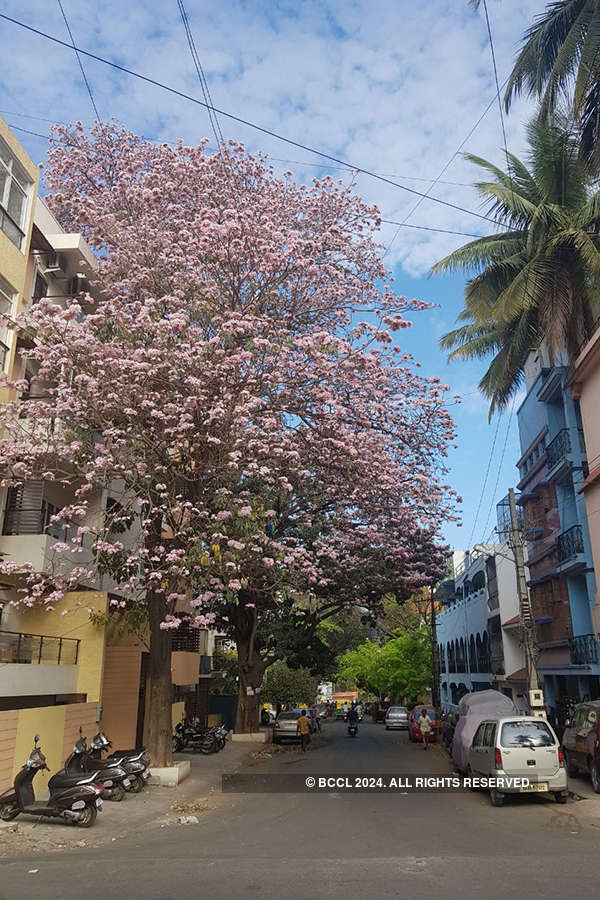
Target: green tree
(560, 57)
(399, 668)
(283, 685)
(536, 279)
(226, 661)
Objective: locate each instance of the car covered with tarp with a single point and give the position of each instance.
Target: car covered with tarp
(472, 710)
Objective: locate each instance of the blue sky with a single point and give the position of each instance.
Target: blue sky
(390, 85)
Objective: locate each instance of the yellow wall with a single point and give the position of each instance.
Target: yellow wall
(76, 624)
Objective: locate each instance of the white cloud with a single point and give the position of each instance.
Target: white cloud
(393, 86)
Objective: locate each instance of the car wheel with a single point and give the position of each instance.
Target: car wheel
(496, 797)
(595, 776)
(561, 796)
(572, 770)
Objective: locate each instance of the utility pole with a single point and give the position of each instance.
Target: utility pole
(527, 623)
(435, 665)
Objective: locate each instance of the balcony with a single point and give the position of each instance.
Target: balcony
(558, 448)
(41, 649)
(570, 546)
(584, 649)
(497, 664)
(37, 664)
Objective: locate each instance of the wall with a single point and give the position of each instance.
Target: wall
(26, 679)
(8, 737)
(58, 727)
(120, 694)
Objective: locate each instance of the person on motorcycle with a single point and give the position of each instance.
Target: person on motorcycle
(352, 716)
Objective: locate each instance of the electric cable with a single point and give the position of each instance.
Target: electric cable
(246, 122)
(87, 84)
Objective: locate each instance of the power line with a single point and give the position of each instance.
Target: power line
(87, 84)
(12, 112)
(246, 122)
(430, 228)
(214, 122)
(27, 131)
(499, 471)
(444, 168)
(494, 66)
(487, 475)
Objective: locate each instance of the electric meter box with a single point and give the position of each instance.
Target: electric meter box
(536, 699)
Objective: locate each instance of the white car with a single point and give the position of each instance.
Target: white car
(396, 717)
(519, 747)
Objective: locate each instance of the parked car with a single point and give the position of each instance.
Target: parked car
(581, 742)
(285, 726)
(414, 732)
(519, 747)
(396, 717)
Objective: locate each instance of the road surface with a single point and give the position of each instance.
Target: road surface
(337, 845)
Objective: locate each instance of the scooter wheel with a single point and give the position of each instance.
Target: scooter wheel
(8, 812)
(177, 745)
(117, 793)
(211, 747)
(137, 785)
(87, 818)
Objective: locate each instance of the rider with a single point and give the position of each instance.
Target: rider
(352, 716)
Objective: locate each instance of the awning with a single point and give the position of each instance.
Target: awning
(519, 675)
(547, 577)
(512, 623)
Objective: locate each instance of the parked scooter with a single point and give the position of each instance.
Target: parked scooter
(72, 798)
(136, 762)
(113, 777)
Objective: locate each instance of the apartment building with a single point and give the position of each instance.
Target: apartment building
(478, 630)
(553, 470)
(74, 666)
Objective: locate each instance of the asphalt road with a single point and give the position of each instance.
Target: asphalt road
(338, 845)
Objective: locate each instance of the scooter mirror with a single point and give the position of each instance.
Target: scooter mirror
(36, 739)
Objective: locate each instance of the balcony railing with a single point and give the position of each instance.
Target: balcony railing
(570, 543)
(19, 647)
(558, 447)
(584, 649)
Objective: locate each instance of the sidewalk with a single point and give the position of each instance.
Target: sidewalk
(155, 807)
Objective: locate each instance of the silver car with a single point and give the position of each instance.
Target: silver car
(396, 717)
(285, 727)
(519, 747)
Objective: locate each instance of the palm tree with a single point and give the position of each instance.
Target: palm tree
(536, 278)
(560, 53)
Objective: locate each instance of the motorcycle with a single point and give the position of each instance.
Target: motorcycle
(112, 776)
(203, 740)
(136, 762)
(353, 729)
(72, 797)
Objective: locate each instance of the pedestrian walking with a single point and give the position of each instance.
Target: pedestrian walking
(303, 729)
(424, 727)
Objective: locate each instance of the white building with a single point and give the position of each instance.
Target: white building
(478, 630)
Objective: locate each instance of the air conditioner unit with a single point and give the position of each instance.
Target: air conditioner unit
(53, 265)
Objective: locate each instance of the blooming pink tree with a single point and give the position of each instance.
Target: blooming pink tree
(239, 387)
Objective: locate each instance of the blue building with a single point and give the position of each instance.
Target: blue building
(552, 468)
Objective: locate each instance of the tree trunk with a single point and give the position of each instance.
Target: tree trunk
(160, 728)
(251, 669)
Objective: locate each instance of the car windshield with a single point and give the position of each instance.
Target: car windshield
(397, 710)
(288, 715)
(526, 734)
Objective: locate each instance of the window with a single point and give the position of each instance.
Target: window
(478, 739)
(489, 734)
(14, 189)
(40, 288)
(526, 734)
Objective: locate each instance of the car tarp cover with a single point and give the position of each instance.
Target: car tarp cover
(472, 710)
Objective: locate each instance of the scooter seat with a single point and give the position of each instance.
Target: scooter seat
(63, 779)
